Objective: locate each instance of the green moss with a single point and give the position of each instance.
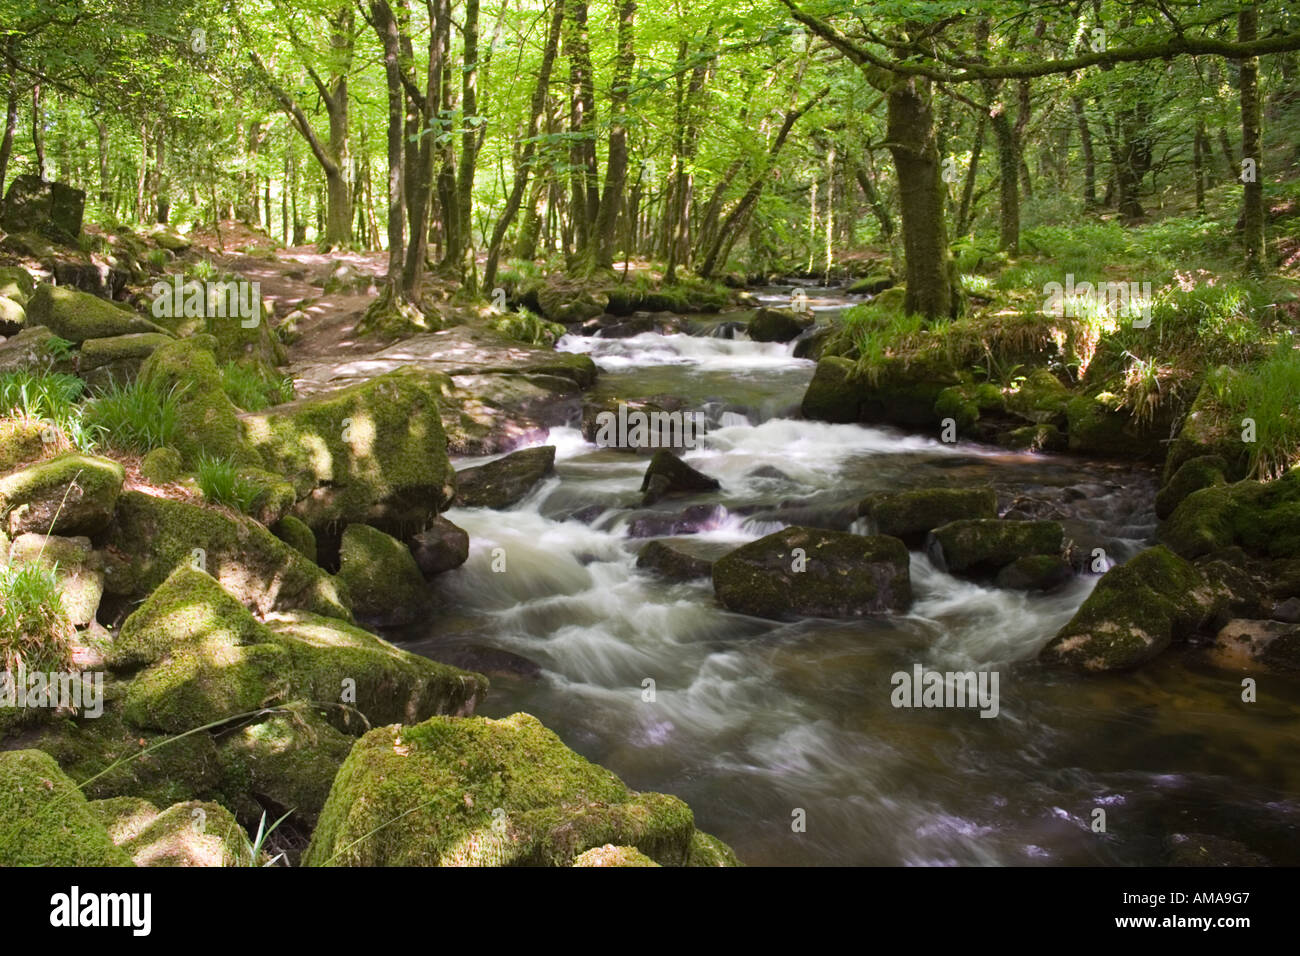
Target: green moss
(20, 441)
(1040, 399)
(69, 494)
(162, 465)
(77, 316)
(158, 535)
(123, 817)
(1207, 471)
(207, 421)
(117, 358)
(832, 395)
(456, 792)
(834, 574)
(610, 855)
(44, 819)
(296, 535)
(381, 576)
(708, 850)
(1134, 613)
(909, 515)
(983, 546)
(373, 453)
(16, 283)
(1098, 425)
(193, 833)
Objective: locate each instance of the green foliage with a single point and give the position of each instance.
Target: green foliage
(49, 397)
(222, 484)
(136, 417)
(527, 326)
(254, 389)
(34, 628)
(1267, 393)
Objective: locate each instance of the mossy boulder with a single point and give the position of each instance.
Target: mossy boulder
(193, 833)
(1100, 425)
(897, 389)
(911, 515)
(296, 535)
(873, 284)
(778, 325)
(1135, 612)
(21, 440)
(162, 465)
(16, 283)
(109, 757)
(1046, 438)
(486, 793)
(1040, 399)
(967, 403)
(207, 420)
(44, 818)
(1263, 518)
(610, 855)
(70, 494)
(1208, 471)
(832, 395)
(373, 453)
(117, 360)
(506, 481)
(123, 817)
(1035, 572)
(815, 573)
(982, 547)
(249, 341)
(81, 580)
(707, 850)
(287, 761)
(13, 317)
(669, 475)
(382, 578)
(155, 536)
(570, 301)
(673, 563)
(77, 316)
(1209, 430)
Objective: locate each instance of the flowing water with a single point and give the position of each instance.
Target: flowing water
(753, 721)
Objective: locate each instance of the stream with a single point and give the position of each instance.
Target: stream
(753, 721)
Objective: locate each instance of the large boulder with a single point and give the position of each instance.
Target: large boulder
(816, 573)
(506, 481)
(911, 515)
(117, 359)
(1194, 474)
(981, 547)
(372, 453)
(778, 325)
(53, 209)
(193, 833)
(669, 475)
(1101, 425)
(1135, 612)
(1041, 399)
(897, 389)
(382, 578)
(832, 395)
(570, 301)
(77, 316)
(1209, 428)
(207, 421)
(153, 536)
(1261, 518)
(47, 821)
(71, 494)
(672, 563)
(486, 793)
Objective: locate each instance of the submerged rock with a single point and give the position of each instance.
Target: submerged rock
(1245, 642)
(483, 792)
(1134, 613)
(506, 481)
(815, 573)
(673, 563)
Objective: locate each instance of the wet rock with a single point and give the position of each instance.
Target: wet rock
(832, 395)
(1134, 613)
(491, 661)
(1288, 610)
(982, 547)
(669, 475)
(1208, 471)
(1039, 572)
(440, 547)
(812, 341)
(1046, 438)
(899, 390)
(486, 793)
(506, 481)
(673, 563)
(778, 325)
(1271, 643)
(382, 578)
(911, 515)
(815, 573)
(691, 520)
(1203, 849)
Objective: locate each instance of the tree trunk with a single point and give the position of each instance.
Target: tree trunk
(968, 188)
(1089, 163)
(1253, 187)
(606, 224)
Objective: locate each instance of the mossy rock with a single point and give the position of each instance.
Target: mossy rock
(982, 547)
(832, 395)
(208, 421)
(1194, 474)
(272, 496)
(20, 441)
(778, 325)
(373, 453)
(1040, 399)
(381, 576)
(1099, 425)
(1135, 613)
(965, 404)
(162, 465)
(250, 344)
(147, 765)
(1261, 518)
(77, 316)
(1208, 430)
(44, 818)
(34, 349)
(117, 360)
(13, 317)
(911, 515)
(482, 792)
(873, 284)
(123, 817)
(708, 850)
(296, 535)
(1035, 572)
(897, 389)
(570, 301)
(71, 494)
(815, 573)
(16, 283)
(1047, 438)
(80, 577)
(506, 481)
(193, 833)
(170, 241)
(610, 855)
(287, 761)
(158, 535)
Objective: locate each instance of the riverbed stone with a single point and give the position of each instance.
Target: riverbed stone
(810, 572)
(505, 482)
(672, 563)
(1035, 572)
(778, 325)
(1135, 612)
(911, 515)
(486, 793)
(980, 547)
(669, 475)
(382, 578)
(440, 547)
